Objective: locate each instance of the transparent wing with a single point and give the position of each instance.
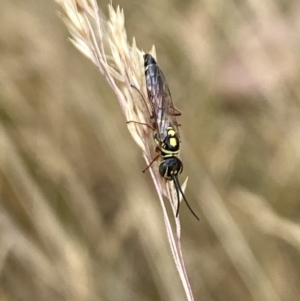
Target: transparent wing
(159, 95)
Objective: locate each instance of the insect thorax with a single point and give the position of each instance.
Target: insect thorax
(169, 146)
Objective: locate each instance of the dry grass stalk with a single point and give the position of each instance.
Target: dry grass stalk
(105, 44)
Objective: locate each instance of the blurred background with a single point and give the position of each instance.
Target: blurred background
(79, 220)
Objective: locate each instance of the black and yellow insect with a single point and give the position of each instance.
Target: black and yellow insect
(166, 132)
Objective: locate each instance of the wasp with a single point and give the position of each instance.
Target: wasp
(165, 127)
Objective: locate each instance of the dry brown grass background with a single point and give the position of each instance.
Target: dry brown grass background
(78, 219)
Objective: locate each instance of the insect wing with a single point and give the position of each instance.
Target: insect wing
(159, 94)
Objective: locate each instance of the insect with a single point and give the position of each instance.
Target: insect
(165, 126)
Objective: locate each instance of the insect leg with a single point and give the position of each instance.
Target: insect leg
(153, 160)
(141, 123)
(145, 102)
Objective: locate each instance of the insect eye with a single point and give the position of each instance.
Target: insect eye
(163, 169)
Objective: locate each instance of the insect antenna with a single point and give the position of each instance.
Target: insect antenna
(177, 192)
(178, 188)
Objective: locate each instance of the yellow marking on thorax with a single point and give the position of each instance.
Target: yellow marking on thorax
(173, 142)
(171, 131)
